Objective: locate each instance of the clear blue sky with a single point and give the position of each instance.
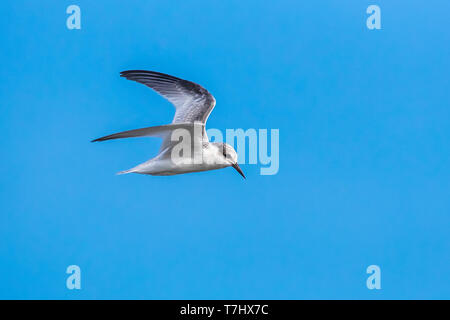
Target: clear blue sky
(364, 120)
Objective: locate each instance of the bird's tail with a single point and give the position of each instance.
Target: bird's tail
(140, 168)
(126, 171)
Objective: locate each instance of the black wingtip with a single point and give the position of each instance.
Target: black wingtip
(128, 73)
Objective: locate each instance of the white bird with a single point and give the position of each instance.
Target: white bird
(193, 104)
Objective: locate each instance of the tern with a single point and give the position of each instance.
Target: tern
(193, 105)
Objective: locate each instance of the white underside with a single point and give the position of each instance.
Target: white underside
(164, 165)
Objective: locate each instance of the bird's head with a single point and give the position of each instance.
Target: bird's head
(229, 156)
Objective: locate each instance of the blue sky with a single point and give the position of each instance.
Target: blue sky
(364, 176)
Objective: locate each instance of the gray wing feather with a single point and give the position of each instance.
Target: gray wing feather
(157, 131)
(192, 102)
(164, 132)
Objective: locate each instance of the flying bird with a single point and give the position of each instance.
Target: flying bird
(193, 105)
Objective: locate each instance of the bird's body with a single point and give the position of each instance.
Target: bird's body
(185, 147)
(162, 164)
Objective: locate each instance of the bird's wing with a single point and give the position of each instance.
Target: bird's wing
(158, 131)
(192, 102)
(196, 131)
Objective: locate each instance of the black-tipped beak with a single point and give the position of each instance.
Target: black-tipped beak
(238, 169)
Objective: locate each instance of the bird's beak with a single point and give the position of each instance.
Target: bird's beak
(238, 169)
